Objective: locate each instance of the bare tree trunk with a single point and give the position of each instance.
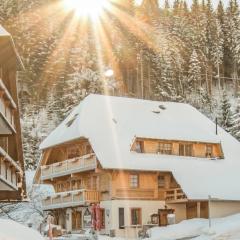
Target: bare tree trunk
(142, 83)
(219, 79)
(149, 80)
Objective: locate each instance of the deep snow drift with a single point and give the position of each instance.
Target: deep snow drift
(10, 230)
(227, 228)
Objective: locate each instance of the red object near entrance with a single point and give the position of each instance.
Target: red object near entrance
(93, 213)
(98, 218)
(50, 234)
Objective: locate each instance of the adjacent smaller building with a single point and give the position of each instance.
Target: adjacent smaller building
(121, 163)
(12, 183)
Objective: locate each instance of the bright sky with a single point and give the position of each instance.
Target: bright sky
(215, 2)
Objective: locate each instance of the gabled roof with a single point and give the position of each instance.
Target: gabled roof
(112, 123)
(4, 34)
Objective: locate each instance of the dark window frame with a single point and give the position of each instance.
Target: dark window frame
(136, 220)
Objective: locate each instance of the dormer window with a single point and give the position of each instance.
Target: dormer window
(165, 148)
(209, 151)
(178, 148)
(139, 147)
(185, 149)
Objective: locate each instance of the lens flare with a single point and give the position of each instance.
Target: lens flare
(86, 8)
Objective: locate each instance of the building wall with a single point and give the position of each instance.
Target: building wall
(180, 211)
(223, 209)
(112, 215)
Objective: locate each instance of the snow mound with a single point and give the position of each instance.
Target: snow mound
(227, 228)
(10, 230)
(184, 229)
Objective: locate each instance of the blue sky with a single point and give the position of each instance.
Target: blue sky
(215, 2)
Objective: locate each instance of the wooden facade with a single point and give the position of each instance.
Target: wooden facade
(178, 148)
(12, 183)
(83, 171)
(80, 181)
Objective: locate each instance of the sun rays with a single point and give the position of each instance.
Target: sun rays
(89, 8)
(73, 20)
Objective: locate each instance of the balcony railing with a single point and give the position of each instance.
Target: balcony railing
(7, 105)
(9, 171)
(71, 199)
(75, 165)
(175, 195)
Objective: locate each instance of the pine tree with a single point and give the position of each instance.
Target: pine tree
(220, 12)
(235, 130)
(194, 72)
(218, 50)
(225, 115)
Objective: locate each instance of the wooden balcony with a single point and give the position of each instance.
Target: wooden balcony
(10, 172)
(70, 166)
(175, 195)
(7, 108)
(71, 199)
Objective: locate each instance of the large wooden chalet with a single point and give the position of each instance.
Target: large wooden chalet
(134, 161)
(12, 184)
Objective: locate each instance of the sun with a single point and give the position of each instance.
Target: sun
(86, 8)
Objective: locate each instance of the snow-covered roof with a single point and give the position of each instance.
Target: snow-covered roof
(112, 123)
(3, 32)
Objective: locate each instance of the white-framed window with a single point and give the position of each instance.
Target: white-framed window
(134, 180)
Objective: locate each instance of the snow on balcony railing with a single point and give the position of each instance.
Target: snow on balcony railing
(78, 164)
(70, 199)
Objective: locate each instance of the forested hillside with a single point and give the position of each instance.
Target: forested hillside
(176, 53)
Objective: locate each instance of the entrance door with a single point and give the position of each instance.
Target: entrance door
(163, 221)
(121, 218)
(76, 220)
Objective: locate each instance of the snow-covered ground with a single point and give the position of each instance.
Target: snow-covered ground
(227, 228)
(198, 229)
(10, 230)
